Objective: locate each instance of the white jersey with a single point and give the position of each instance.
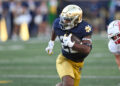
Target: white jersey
(114, 48)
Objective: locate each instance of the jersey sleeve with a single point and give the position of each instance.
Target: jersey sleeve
(87, 29)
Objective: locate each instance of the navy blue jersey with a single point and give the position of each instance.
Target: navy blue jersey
(81, 30)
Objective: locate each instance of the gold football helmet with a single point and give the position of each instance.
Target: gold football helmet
(70, 16)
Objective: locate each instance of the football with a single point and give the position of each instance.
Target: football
(75, 39)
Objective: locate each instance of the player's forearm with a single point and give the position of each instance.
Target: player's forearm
(82, 48)
(53, 36)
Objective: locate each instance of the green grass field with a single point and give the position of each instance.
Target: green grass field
(27, 64)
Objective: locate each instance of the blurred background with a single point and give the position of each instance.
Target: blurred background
(39, 15)
(25, 28)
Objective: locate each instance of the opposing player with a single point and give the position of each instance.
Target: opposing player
(70, 62)
(114, 40)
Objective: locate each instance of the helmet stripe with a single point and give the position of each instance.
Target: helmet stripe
(119, 25)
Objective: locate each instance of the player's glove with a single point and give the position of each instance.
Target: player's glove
(49, 48)
(67, 41)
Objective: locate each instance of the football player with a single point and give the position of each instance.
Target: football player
(70, 62)
(114, 39)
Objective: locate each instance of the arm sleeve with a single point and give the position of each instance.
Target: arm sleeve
(112, 47)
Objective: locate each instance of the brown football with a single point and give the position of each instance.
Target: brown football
(75, 39)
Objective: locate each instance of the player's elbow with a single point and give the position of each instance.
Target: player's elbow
(82, 48)
(84, 51)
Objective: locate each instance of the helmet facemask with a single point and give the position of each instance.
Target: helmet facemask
(68, 23)
(116, 38)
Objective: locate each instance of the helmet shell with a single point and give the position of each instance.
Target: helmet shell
(73, 13)
(113, 28)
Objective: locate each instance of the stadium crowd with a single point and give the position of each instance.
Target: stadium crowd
(35, 14)
(39, 14)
